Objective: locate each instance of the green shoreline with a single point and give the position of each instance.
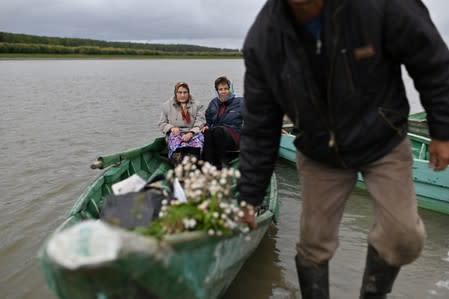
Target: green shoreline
(13, 56)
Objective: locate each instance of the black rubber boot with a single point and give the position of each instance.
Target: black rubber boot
(313, 278)
(378, 278)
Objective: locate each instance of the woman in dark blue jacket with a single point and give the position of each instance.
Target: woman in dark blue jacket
(223, 124)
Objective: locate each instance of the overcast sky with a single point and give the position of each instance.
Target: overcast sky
(203, 22)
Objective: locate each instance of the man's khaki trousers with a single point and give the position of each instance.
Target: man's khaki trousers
(397, 232)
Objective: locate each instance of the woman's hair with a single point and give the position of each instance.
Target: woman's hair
(181, 84)
(222, 80)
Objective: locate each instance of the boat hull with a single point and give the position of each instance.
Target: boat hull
(417, 124)
(185, 265)
(432, 188)
(199, 268)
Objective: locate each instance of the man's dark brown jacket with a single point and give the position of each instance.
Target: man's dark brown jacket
(362, 114)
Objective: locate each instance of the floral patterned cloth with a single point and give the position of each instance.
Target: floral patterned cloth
(175, 142)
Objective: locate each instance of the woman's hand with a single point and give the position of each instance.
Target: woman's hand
(204, 129)
(175, 131)
(187, 136)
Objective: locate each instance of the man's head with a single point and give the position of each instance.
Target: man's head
(304, 10)
(299, 1)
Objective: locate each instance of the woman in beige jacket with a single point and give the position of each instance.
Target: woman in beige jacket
(180, 121)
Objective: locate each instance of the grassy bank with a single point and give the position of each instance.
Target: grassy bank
(24, 46)
(20, 56)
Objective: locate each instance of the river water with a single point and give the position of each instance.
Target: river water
(57, 116)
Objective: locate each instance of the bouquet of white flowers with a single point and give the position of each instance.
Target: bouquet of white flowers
(206, 202)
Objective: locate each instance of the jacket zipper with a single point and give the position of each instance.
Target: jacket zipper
(313, 87)
(332, 138)
(348, 70)
(319, 45)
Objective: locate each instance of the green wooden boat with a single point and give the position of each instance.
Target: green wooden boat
(432, 188)
(106, 262)
(417, 124)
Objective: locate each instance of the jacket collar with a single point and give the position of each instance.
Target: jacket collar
(281, 17)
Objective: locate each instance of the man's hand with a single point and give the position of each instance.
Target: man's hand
(248, 216)
(439, 154)
(204, 129)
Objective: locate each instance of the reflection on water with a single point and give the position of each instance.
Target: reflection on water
(58, 116)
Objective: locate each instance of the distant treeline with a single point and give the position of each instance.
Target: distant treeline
(14, 43)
